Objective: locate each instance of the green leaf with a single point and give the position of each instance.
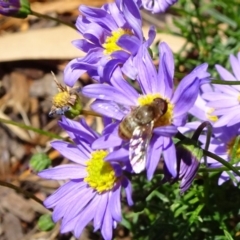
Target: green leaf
(45, 223)
(195, 214)
(37, 130)
(227, 235)
(220, 17)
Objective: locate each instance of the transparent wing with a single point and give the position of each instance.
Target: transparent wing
(138, 146)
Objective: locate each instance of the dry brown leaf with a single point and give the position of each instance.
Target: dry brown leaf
(18, 206)
(55, 43)
(48, 43)
(63, 6)
(22, 134)
(12, 227)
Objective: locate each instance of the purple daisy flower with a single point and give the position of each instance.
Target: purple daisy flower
(94, 189)
(112, 37)
(15, 8)
(121, 99)
(156, 6)
(225, 100)
(223, 146)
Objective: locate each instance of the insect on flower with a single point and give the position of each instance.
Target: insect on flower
(137, 127)
(65, 100)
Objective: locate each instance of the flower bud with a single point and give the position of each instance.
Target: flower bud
(66, 102)
(45, 223)
(39, 162)
(15, 8)
(188, 157)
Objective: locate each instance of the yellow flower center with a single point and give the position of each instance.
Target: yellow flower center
(230, 149)
(164, 120)
(238, 98)
(110, 44)
(61, 99)
(101, 175)
(212, 118)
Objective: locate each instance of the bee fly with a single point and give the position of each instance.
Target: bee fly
(137, 127)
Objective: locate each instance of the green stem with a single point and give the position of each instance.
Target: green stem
(220, 169)
(225, 82)
(26, 193)
(39, 15)
(37, 130)
(222, 161)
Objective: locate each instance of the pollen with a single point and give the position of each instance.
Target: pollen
(238, 98)
(164, 120)
(230, 146)
(147, 99)
(101, 175)
(212, 118)
(61, 99)
(110, 44)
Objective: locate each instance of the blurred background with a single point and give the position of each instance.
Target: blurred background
(197, 31)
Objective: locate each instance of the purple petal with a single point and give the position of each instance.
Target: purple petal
(129, 69)
(234, 120)
(86, 216)
(147, 74)
(128, 189)
(225, 120)
(169, 154)
(69, 171)
(235, 64)
(107, 141)
(72, 75)
(129, 43)
(62, 191)
(107, 225)
(158, 6)
(109, 68)
(83, 45)
(185, 95)
(225, 74)
(96, 34)
(80, 129)
(223, 103)
(61, 207)
(133, 16)
(70, 152)
(118, 155)
(115, 205)
(98, 218)
(99, 16)
(165, 71)
(151, 36)
(106, 92)
(153, 155)
(166, 131)
(108, 109)
(86, 195)
(122, 85)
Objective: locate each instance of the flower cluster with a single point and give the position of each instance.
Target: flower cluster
(220, 105)
(143, 114)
